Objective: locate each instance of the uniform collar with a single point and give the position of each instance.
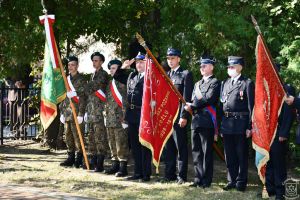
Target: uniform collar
(205, 78)
(175, 70)
(236, 78)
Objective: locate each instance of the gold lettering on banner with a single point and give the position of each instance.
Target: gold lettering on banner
(164, 118)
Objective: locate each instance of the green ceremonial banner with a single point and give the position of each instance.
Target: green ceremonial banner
(53, 90)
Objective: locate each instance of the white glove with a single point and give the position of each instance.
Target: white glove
(79, 119)
(124, 125)
(85, 117)
(62, 119)
(71, 94)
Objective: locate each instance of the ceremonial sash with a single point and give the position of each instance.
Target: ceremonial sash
(101, 95)
(76, 98)
(115, 93)
(213, 114)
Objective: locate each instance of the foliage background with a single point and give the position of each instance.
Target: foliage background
(218, 27)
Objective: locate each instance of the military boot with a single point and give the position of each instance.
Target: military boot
(78, 160)
(99, 164)
(114, 167)
(123, 169)
(69, 161)
(93, 161)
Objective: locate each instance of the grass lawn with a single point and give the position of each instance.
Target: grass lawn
(28, 164)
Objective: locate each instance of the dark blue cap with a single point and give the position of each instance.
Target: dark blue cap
(235, 60)
(140, 56)
(98, 54)
(114, 62)
(173, 52)
(72, 58)
(207, 60)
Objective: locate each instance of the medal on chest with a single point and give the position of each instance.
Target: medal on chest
(241, 95)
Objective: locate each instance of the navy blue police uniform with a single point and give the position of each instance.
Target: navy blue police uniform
(237, 101)
(204, 126)
(276, 172)
(141, 154)
(178, 142)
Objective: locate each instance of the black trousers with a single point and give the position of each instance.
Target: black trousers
(176, 146)
(202, 151)
(276, 172)
(236, 154)
(141, 154)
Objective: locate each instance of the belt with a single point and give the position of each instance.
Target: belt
(132, 106)
(235, 114)
(199, 112)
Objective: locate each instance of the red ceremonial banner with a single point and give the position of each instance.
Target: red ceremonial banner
(159, 111)
(269, 97)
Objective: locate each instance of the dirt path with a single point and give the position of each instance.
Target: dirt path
(17, 192)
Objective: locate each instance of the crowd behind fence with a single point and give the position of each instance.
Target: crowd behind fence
(19, 111)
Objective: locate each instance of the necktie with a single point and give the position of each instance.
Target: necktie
(172, 73)
(232, 82)
(139, 76)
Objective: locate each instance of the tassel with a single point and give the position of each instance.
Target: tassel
(264, 193)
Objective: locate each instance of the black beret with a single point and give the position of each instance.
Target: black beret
(72, 58)
(114, 62)
(98, 54)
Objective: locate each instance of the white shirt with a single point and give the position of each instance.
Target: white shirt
(205, 78)
(235, 78)
(175, 70)
(141, 74)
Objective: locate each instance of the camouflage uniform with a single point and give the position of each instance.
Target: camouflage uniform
(98, 144)
(117, 136)
(70, 131)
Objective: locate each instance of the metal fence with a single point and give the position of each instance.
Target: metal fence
(19, 111)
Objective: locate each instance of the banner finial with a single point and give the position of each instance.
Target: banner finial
(44, 7)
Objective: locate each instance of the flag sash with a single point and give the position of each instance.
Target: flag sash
(101, 95)
(213, 114)
(116, 94)
(75, 98)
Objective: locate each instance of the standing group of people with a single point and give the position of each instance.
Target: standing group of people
(120, 99)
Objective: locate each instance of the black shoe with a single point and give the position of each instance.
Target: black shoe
(180, 181)
(279, 197)
(134, 177)
(229, 186)
(195, 184)
(167, 180)
(114, 168)
(123, 169)
(205, 185)
(145, 179)
(69, 162)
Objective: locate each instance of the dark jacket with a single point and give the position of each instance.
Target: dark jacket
(134, 98)
(183, 81)
(237, 100)
(210, 91)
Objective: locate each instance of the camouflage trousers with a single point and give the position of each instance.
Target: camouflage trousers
(118, 143)
(71, 136)
(97, 137)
